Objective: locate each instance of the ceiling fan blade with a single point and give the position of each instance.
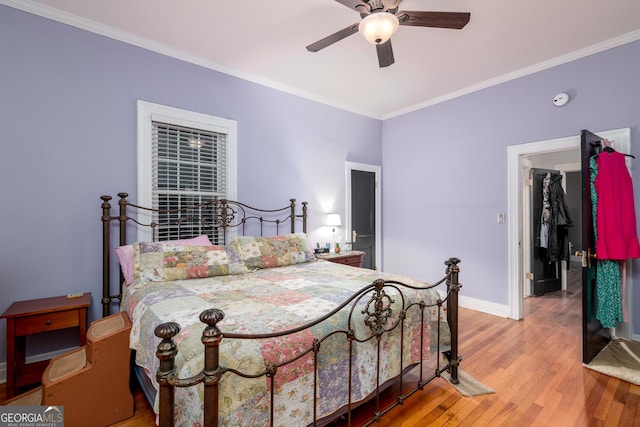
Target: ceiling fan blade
(385, 54)
(454, 20)
(331, 39)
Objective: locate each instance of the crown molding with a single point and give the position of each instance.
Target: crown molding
(135, 40)
(132, 39)
(541, 66)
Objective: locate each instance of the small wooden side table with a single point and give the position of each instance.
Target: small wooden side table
(32, 317)
(353, 258)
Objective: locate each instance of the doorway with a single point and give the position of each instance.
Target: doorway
(548, 241)
(622, 142)
(363, 219)
(567, 164)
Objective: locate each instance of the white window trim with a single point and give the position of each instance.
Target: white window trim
(149, 112)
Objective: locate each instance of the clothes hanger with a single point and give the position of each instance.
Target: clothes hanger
(609, 149)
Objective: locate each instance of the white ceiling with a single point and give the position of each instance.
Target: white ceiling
(264, 41)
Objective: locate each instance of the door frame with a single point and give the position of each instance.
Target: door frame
(621, 138)
(528, 239)
(526, 165)
(377, 171)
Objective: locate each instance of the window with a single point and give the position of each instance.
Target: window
(184, 159)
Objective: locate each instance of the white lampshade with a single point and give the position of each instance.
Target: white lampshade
(378, 27)
(333, 219)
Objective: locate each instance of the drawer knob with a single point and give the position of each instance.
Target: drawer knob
(47, 322)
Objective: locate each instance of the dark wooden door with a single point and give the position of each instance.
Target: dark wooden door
(546, 275)
(594, 336)
(363, 215)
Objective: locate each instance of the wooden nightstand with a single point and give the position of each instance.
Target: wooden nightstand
(353, 258)
(32, 317)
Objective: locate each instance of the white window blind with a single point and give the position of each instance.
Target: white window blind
(188, 168)
(184, 159)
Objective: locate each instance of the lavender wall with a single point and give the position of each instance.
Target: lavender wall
(455, 180)
(68, 135)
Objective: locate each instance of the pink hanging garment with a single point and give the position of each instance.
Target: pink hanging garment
(616, 215)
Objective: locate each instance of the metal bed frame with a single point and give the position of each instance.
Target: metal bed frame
(382, 314)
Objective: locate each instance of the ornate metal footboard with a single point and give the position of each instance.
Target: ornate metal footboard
(382, 308)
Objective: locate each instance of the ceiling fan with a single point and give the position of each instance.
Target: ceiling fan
(381, 18)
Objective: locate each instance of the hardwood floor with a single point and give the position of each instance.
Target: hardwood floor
(534, 365)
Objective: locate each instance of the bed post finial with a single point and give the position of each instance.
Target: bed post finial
(304, 216)
(293, 215)
(453, 288)
(106, 252)
(166, 353)
(211, 337)
(123, 217)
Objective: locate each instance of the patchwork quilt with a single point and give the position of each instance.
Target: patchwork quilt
(277, 299)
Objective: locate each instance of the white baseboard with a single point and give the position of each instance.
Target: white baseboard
(493, 308)
(464, 301)
(484, 306)
(31, 359)
(480, 305)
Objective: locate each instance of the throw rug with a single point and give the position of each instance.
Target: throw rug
(468, 386)
(619, 359)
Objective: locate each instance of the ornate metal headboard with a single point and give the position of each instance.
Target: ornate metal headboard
(220, 219)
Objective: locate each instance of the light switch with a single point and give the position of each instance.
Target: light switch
(501, 218)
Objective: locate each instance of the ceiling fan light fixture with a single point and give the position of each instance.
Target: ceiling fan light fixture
(378, 27)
